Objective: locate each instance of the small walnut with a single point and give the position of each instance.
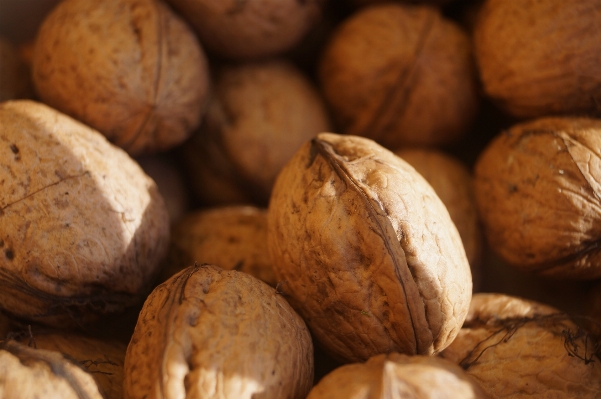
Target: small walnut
(250, 29)
(207, 332)
(366, 251)
(398, 376)
(538, 58)
(131, 69)
(538, 193)
(259, 116)
(518, 348)
(400, 75)
(233, 238)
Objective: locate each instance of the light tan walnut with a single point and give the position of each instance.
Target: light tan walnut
(211, 333)
(398, 376)
(82, 228)
(518, 348)
(538, 194)
(366, 251)
(131, 69)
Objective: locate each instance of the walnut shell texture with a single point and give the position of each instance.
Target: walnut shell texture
(518, 348)
(365, 250)
(211, 333)
(131, 69)
(78, 236)
(539, 58)
(398, 376)
(538, 193)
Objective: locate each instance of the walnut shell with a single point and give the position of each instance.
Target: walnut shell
(131, 69)
(250, 29)
(398, 376)
(400, 75)
(79, 235)
(259, 116)
(233, 238)
(207, 332)
(518, 348)
(365, 250)
(538, 194)
(538, 58)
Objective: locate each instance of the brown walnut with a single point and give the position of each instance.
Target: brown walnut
(365, 250)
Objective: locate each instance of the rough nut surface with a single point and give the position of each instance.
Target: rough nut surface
(131, 69)
(538, 193)
(365, 251)
(518, 348)
(400, 75)
(233, 238)
(78, 236)
(398, 376)
(211, 333)
(539, 58)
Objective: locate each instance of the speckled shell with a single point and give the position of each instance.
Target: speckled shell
(538, 193)
(366, 251)
(517, 348)
(82, 228)
(131, 69)
(211, 333)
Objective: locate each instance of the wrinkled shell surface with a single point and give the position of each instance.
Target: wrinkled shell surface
(398, 376)
(365, 251)
(130, 68)
(29, 373)
(538, 193)
(400, 75)
(78, 236)
(249, 29)
(210, 333)
(518, 348)
(259, 116)
(539, 58)
(233, 238)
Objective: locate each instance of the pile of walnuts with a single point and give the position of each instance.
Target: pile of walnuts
(300, 199)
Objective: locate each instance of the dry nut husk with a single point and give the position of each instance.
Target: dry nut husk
(259, 116)
(233, 238)
(131, 69)
(398, 376)
(82, 228)
(538, 58)
(400, 75)
(250, 29)
(365, 250)
(518, 348)
(538, 193)
(207, 332)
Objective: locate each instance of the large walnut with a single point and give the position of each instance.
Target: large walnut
(398, 376)
(518, 348)
(131, 69)
(211, 333)
(538, 58)
(399, 75)
(538, 192)
(366, 251)
(82, 228)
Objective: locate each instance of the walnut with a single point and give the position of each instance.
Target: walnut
(538, 194)
(233, 238)
(398, 376)
(366, 251)
(518, 348)
(131, 69)
(400, 75)
(538, 58)
(82, 228)
(207, 332)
